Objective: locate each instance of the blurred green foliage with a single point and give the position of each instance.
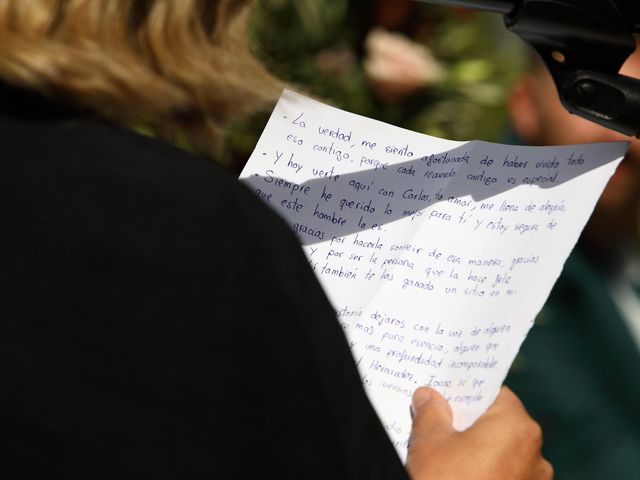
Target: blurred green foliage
(317, 46)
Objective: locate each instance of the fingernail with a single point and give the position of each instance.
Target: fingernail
(420, 397)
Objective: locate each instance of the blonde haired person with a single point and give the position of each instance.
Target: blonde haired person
(156, 320)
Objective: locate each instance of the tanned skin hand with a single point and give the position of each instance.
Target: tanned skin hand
(503, 444)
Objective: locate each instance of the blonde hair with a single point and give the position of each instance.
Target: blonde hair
(174, 64)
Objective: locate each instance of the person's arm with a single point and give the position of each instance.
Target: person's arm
(503, 444)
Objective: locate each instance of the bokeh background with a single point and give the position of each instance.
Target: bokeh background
(432, 69)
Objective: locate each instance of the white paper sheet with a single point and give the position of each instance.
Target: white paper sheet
(437, 255)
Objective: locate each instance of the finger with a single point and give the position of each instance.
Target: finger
(432, 415)
(506, 399)
(546, 471)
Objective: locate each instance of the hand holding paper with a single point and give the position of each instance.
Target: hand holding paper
(438, 451)
(437, 255)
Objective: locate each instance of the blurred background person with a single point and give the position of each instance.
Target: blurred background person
(578, 369)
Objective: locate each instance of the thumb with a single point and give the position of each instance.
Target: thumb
(431, 415)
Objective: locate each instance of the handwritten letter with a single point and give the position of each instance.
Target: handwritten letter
(437, 255)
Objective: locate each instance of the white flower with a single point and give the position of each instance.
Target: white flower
(397, 66)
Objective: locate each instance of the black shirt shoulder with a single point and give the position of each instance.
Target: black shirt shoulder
(159, 320)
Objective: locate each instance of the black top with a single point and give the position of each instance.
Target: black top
(158, 321)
